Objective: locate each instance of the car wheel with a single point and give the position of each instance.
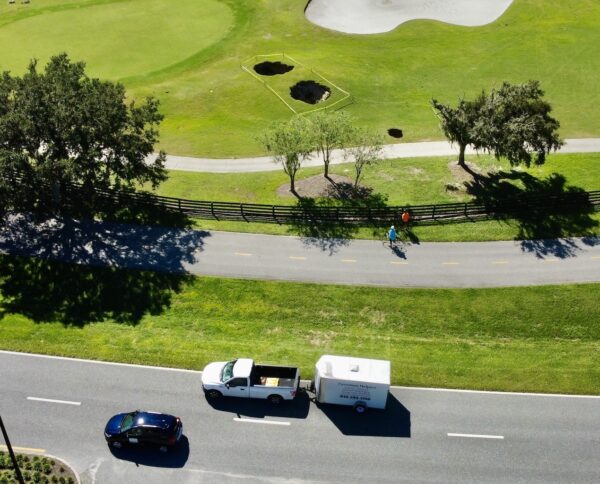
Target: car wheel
(275, 399)
(214, 394)
(360, 408)
(117, 445)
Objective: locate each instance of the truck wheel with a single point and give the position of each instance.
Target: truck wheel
(360, 408)
(275, 399)
(214, 394)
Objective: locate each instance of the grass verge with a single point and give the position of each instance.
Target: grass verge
(542, 339)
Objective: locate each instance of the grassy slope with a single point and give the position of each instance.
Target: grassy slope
(407, 181)
(404, 181)
(213, 108)
(526, 339)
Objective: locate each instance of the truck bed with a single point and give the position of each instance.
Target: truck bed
(273, 376)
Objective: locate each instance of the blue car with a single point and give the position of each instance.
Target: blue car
(140, 428)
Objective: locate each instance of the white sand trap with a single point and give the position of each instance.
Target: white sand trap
(376, 16)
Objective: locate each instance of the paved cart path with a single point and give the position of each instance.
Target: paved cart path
(255, 256)
(402, 150)
(425, 435)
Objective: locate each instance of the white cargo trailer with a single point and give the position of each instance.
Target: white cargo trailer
(358, 382)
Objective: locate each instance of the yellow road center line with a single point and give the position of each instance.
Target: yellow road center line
(297, 258)
(243, 254)
(348, 260)
(24, 449)
(498, 262)
(399, 263)
(549, 260)
(596, 257)
(450, 263)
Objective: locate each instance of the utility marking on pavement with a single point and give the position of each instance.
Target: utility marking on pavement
(348, 260)
(450, 263)
(499, 262)
(50, 400)
(550, 260)
(258, 421)
(399, 263)
(242, 254)
(297, 258)
(477, 436)
(24, 449)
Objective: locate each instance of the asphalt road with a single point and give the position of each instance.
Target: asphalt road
(423, 435)
(360, 262)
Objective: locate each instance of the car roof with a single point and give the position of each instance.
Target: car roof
(154, 419)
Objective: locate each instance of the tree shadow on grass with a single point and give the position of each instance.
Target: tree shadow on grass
(83, 271)
(548, 212)
(327, 224)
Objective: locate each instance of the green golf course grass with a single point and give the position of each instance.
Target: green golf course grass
(543, 339)
(188, 54)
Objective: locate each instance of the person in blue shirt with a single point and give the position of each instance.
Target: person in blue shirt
(392, 236)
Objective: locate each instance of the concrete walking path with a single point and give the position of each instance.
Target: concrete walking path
(401, 150)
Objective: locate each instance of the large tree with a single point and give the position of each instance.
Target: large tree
(512, 121)
(61, 126)
(458, 123)
(331, 131)
(515, 123)
(290, 143)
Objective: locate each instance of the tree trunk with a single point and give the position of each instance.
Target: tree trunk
(461, 157)
(293, 186)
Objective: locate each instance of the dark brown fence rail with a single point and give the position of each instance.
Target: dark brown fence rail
(306, 211)
(309, 211)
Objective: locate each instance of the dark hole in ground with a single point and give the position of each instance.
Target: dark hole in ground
(272, 68)
(310, 92)
(395, 133)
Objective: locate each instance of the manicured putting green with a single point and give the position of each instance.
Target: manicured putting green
(116, 39)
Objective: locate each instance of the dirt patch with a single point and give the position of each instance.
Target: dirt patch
(314, 187)
(272, 68)
(310, 92)
(395, 133)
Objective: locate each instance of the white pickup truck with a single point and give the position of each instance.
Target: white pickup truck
(243, 378)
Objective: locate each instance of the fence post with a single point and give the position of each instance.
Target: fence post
(274, 216)
(242, 212)
(179, 204)
(212, 210)
(433, 212)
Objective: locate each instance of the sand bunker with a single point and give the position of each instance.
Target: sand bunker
(376, 16)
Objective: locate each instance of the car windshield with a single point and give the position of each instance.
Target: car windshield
(227, 371)
(128, 421)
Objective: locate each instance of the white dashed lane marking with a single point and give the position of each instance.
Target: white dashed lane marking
(477, 436)
(259, 421)
(51, 400)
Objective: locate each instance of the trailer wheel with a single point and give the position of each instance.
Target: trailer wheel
(275, 399)
(214, 394)
(360, 408)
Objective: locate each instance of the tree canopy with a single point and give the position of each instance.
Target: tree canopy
(290, 143)
(61, 126)
(512, 121)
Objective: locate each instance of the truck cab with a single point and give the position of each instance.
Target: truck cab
(244, 379)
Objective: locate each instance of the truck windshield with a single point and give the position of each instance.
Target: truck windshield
(227, 371)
